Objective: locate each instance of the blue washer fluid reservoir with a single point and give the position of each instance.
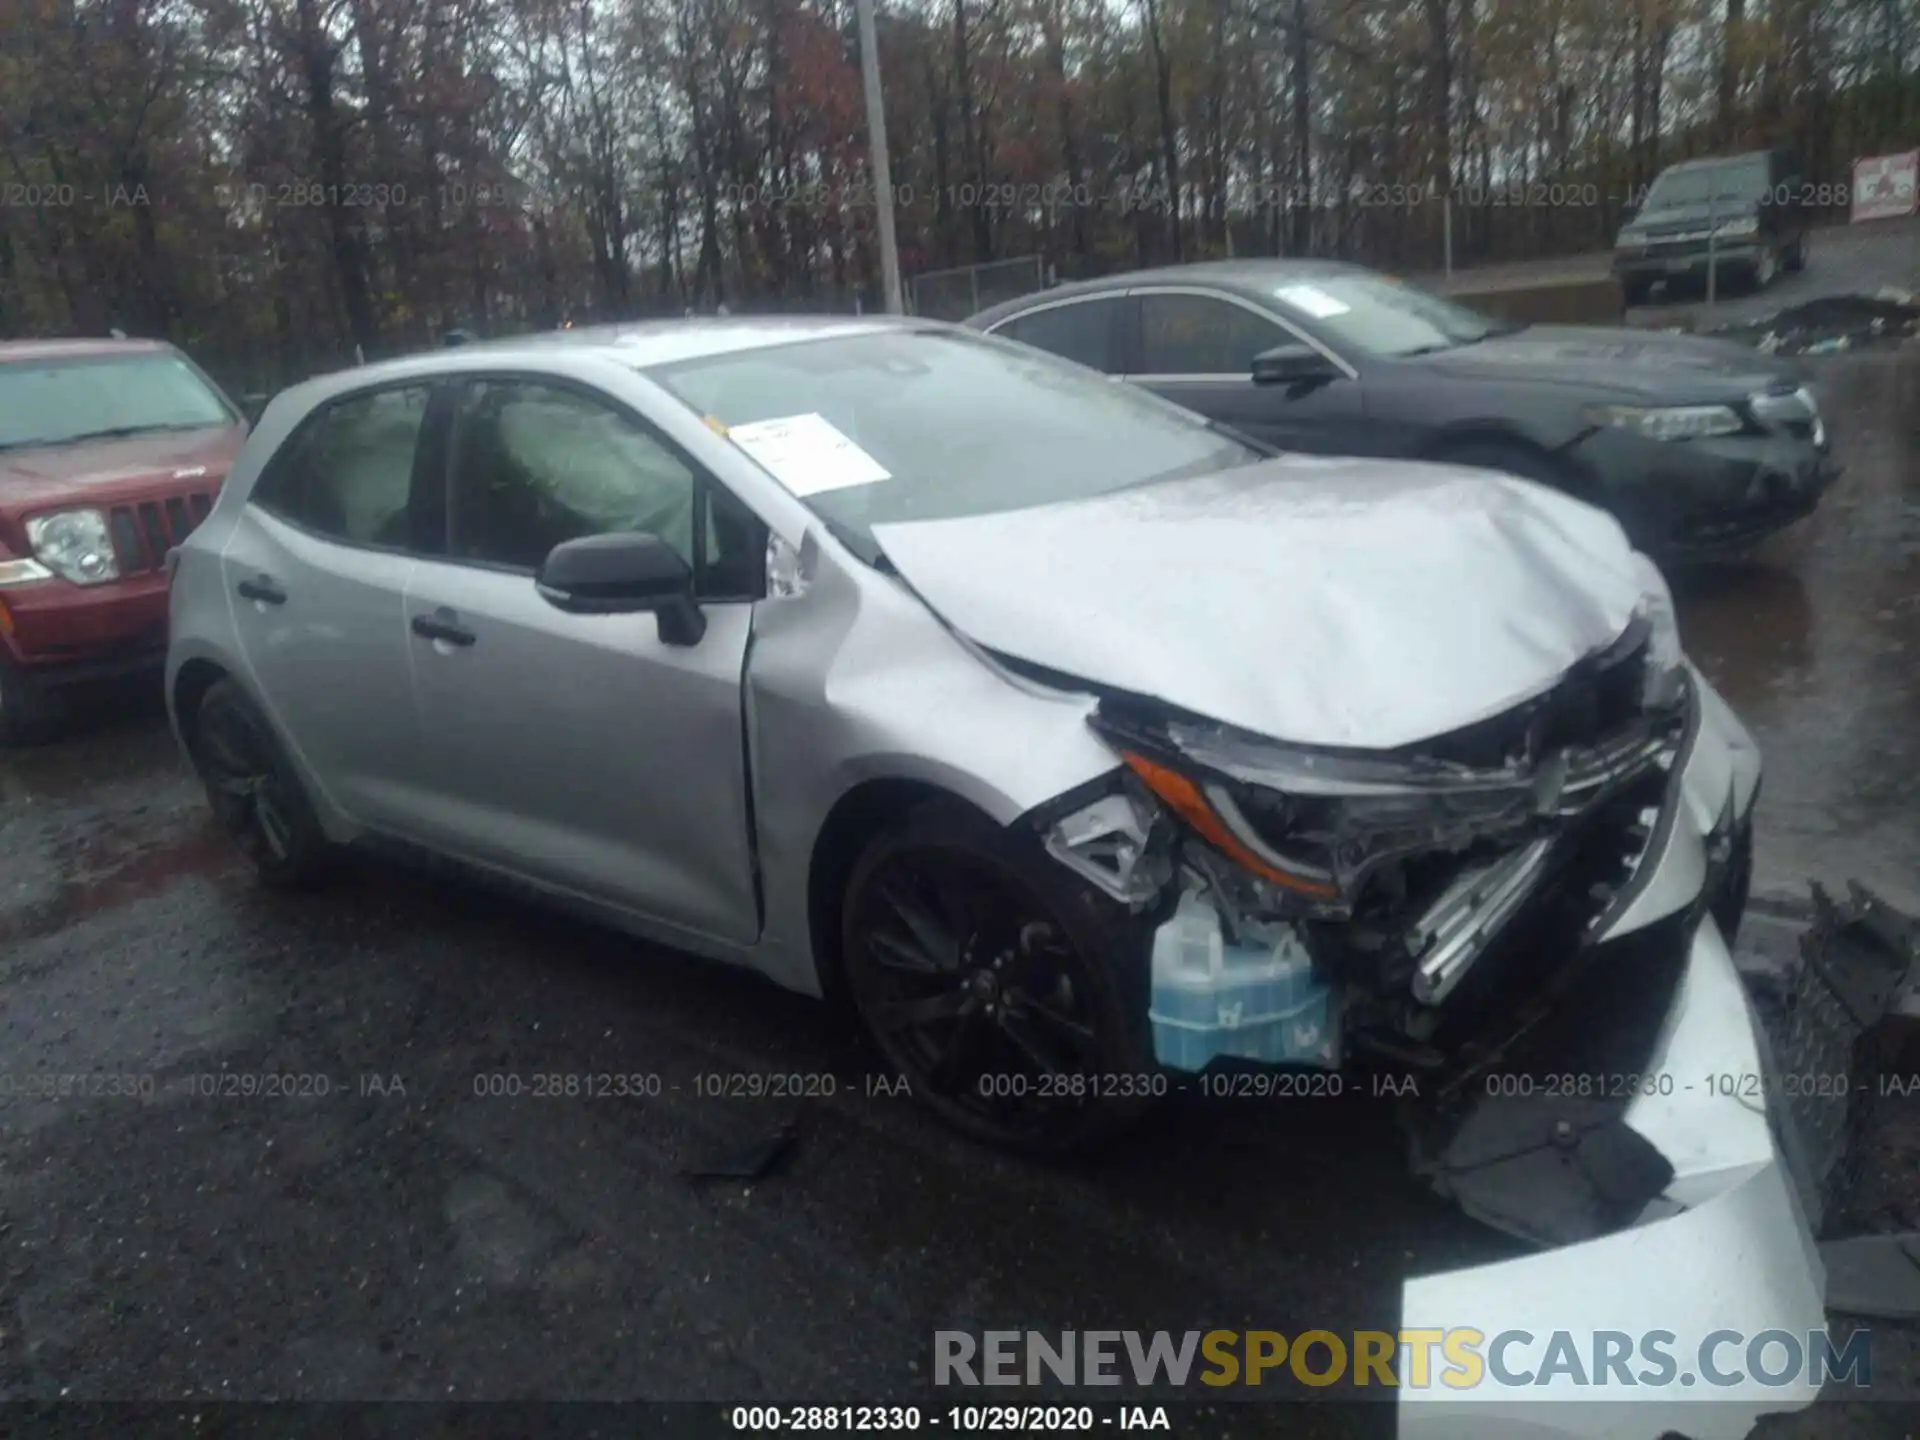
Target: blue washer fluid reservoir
(1249, 1001)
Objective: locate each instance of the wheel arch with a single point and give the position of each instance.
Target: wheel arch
(188, 681)
(188, 687)
(864, 811)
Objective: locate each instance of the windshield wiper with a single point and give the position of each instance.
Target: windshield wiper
(1492, 332)
(121, 432)
(1260, 448)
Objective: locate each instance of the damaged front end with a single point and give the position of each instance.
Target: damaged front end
(1406, 877)
(1531, 920)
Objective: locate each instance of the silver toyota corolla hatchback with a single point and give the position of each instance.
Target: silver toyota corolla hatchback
(1085, 750)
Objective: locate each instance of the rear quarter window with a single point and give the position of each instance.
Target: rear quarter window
(1081, 331)
(347, 471)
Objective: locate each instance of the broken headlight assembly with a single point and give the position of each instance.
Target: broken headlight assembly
(1310, 828)
(1414, 862)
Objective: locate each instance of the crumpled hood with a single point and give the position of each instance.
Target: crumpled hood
(1352, 603)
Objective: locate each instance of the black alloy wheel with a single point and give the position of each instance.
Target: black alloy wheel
(1010, 996)
(255, 795)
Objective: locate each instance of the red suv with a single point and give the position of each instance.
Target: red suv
(111, 452)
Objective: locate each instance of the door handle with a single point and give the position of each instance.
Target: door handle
(435, 627)
(263, 589)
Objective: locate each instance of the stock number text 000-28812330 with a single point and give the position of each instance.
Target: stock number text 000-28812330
(1003, 1419)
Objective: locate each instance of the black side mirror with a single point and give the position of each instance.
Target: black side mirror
(1295, 363)
(623, 574)
(253, 404)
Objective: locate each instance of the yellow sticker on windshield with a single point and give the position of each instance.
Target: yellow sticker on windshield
(718, 427)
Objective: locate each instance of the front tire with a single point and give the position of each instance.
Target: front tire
(257, 797)
(1012, 997)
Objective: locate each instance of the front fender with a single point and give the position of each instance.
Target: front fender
(854, 680)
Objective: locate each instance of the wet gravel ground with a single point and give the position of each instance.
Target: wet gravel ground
(1815, 640)
(407, 1235)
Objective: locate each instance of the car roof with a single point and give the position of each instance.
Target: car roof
(662, 342)
(1255, 277)
(638, 344)
(12, 350)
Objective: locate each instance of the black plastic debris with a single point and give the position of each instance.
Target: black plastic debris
(1547, 1170)
(752, 1160)
(1826, 1015)
(1832, 324)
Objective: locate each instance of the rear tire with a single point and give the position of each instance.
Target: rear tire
(1796, 259)
(257, 797)
(1012, 997)
(1636, 292)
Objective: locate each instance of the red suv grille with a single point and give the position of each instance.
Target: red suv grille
(143, 533)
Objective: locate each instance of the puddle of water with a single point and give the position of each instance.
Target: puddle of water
(117, 868)
(1812, 640)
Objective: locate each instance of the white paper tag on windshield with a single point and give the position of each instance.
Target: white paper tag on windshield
(1314, 301)
(807, 454)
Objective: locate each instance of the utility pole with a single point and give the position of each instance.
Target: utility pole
(1713, 234)
(877, 142)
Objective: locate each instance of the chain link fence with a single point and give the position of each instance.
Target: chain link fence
(967, 290)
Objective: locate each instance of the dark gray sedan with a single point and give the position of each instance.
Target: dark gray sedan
(1700, 447)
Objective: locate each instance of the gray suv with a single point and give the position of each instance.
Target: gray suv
(1745, 215)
